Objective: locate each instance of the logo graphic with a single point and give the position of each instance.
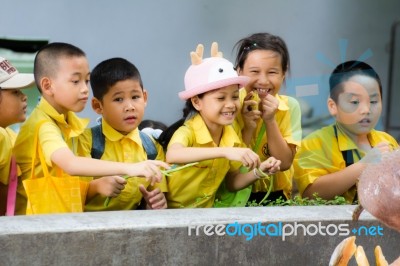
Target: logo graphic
(282, 230)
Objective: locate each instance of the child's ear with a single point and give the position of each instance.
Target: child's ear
(196, 102)
(332, 107)
(145, 97)
(45, 85)
(97, 106)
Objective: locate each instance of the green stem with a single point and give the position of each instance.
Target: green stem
(168, 172)
(107, 201)
(271, 184)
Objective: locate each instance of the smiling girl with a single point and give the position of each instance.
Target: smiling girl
(205, 135)
(270, 122)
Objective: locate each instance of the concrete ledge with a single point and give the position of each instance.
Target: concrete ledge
(161, 237)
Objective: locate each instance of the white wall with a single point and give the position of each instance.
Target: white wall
(157, 36)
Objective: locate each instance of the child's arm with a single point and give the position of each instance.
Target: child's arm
(108, 186)
(277, 145)
(155, 199)
(82, 166)
(331, 185)
(236, 181)
(178, 153)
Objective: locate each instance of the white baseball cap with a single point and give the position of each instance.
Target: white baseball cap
(10, 78)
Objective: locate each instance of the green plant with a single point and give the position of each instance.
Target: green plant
(299, 201)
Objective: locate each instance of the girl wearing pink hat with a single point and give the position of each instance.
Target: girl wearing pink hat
(205, 134)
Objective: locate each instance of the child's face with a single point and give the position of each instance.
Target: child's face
(264, 67)
(219, 107)
(359, 106)
(123, 105)
(12, 107)
(69, 88)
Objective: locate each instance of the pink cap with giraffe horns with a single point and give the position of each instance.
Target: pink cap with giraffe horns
(209, 74)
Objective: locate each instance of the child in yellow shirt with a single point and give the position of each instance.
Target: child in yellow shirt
(13, 104)
(270, 122)
(62, 75)
(119, 97)
(332, 158)
(205, 135)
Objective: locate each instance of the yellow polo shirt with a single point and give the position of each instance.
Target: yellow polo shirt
(288, 118)
(7, 140)
(121, 148)
(321, 154)
(56, 133)
(196, 186)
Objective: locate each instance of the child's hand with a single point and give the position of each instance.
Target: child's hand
(109, 186)
(148, 169)
(250, 112)
(271, 165)
(269, 106)
(154, 199)
(375, 154)
(249, 158)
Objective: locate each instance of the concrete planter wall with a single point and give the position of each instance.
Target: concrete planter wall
(162, 237)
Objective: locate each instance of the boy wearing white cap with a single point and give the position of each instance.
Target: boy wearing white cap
(205, 135)
(13, 105)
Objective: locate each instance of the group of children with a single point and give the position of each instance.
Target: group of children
(242, 137)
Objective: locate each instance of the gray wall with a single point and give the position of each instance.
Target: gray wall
(163, 237)
(158, 35)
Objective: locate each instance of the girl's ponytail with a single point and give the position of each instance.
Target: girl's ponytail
(167, 134)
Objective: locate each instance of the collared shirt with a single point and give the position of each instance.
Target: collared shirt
(57, 132)
(121, 148)
(288, 118)
(321, 154)
(196, 186)
(7, 139)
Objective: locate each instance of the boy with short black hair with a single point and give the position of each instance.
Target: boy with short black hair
(332, 158)
(62, 75)
(120, 98)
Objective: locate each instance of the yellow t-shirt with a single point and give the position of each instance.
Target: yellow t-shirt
(120, 148)
(196, 186)
(7, 140)
(321, 154)
(288, 118)
(54, 134)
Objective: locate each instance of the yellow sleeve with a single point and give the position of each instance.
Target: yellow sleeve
(292, 132)
(50, 139)
(183, 136)
(314, 160)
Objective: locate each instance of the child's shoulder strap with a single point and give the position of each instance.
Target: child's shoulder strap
(148, 146)
(98, 144)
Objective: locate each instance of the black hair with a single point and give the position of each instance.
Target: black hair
(152, 124)
(47, 59)
(345, 71)
(109, 72)
(261, 41)
(167, 134)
